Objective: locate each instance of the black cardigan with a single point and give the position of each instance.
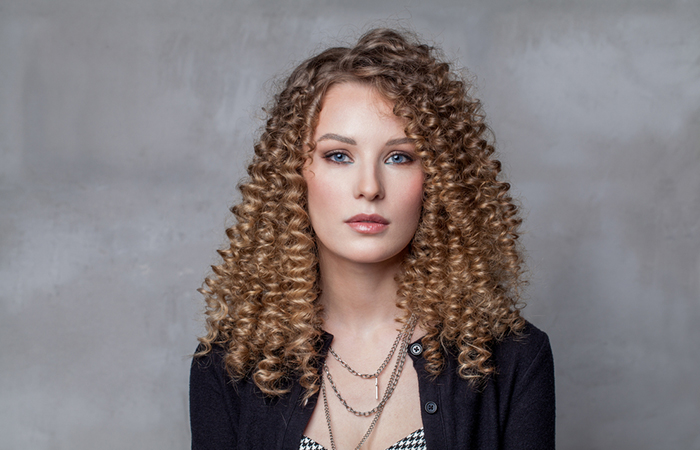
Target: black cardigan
(513, 410)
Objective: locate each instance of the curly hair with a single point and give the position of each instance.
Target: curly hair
(463, 272)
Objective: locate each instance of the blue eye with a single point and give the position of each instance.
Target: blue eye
(337, 157)
(399, 158)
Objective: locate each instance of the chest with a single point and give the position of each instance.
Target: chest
(400, 416)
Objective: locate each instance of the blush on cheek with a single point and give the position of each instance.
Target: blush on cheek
(323, 197)
(414, 189)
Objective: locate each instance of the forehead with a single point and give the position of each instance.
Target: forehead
(352, 93)
(356, 106)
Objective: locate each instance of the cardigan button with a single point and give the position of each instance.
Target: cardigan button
(416, 349)
(431, 407)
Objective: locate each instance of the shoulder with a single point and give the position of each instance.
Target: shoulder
(516, 357)
(524, 359)
(209, 376)
(521, 347)
(233, 413)
(211, 363)
(524, 381)
(513, 408)
(213, 405)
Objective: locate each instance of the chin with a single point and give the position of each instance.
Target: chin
(377, 257)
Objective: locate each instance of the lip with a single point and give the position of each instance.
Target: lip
(368, 223)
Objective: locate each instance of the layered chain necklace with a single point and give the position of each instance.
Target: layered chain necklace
(401, 342)
(369, 376)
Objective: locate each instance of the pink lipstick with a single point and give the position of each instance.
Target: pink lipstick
(368, 223)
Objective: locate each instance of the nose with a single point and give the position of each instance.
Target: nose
(369, 183)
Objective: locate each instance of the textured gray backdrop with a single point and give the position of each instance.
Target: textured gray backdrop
(125, 125)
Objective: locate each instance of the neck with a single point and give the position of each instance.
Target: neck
(358, 298)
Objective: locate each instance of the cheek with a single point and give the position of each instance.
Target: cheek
(321, 195)
(312, 194)
(414, 196)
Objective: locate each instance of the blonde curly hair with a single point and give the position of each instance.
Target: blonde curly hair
(463, 273)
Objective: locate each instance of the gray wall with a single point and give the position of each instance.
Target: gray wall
(125, 125)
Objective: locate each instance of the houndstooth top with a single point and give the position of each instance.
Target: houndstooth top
(414, 441)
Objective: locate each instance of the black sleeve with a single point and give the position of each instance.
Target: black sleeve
(211, 409)
(531, 416)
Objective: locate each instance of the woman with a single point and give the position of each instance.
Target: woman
(369, 296)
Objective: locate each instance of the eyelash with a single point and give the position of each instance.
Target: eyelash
(407, 158)
(330, 157)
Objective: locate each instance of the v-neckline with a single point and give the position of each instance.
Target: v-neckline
(416, 435)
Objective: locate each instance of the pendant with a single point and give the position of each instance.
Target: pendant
(376, 388)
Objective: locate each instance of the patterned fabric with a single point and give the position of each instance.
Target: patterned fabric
(414, 441)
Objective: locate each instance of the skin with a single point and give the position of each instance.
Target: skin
(363, 167)
(363, 164)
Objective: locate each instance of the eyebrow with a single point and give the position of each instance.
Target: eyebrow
(403, 140)
(337, 137)
(350, 141)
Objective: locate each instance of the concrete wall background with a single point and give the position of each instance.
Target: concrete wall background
(124, 127)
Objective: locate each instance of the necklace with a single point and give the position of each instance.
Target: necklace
(404, 339)
(375, 375)
(328, 420)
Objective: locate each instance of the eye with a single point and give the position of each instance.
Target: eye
(399, 158)
(337, 157)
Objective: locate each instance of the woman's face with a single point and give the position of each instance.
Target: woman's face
(365, 182)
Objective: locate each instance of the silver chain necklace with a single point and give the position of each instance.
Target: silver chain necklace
(328, 420)
(375, 375)
(405, 337)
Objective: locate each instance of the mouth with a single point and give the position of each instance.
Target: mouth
(368, 223)
(368, 218)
